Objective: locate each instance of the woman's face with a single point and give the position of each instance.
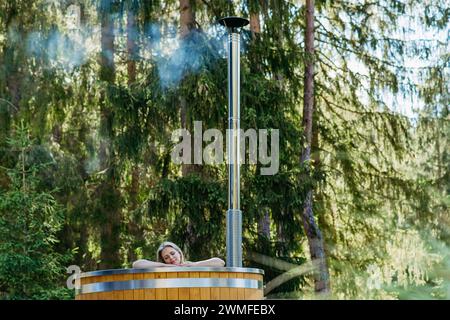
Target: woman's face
(171, 256)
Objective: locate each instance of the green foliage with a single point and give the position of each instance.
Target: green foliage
(29, 219)
(99, 176)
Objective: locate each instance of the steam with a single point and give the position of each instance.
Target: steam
(72, 45)
(175, 57)
(68, 46)
(59, 49)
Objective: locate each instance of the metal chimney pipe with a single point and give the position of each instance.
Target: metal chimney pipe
(234, 214)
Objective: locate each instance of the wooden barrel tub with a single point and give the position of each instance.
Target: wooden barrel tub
(172, 283)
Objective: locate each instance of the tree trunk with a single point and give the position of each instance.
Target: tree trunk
(264, 224)
(276, 7)
(438, 147)
(187, 18)
(255, 23)
(281, 237)
(315, 240)
(108, 195)
(134, 228)
(255, 30)
(11, 60)
(187, 25)
(131, 43)
(131, 71)
(255, 65)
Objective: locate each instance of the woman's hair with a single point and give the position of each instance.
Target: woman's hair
(168, 244)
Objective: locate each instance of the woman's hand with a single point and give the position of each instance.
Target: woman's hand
(188, 264)
(213, 262)
(144, 264)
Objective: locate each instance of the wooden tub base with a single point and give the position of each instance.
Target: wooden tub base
(172, 283)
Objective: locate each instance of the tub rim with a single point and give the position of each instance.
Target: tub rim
(109, 272)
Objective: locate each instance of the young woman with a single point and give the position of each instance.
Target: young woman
(170, 255)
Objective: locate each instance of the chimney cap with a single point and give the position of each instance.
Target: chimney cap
(234, 22)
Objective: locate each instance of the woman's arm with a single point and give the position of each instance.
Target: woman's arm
(213, 262)
(143, 264)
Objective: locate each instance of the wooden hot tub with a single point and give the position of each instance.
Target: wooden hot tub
(172, 283)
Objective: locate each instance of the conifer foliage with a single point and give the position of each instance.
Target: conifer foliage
(91, 92)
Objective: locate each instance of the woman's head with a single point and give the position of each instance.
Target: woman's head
(170, 253)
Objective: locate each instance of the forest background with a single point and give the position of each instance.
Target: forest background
(91, 91)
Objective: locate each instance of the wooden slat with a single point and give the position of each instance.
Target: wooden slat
(88, 280)
(241, 294)
(205, 293)
(118, 294)
(106, 295)
(128, 294)
(89, 296)
(94, 296)
(253, 294)
(240, 291)
(138, 294)
(194, 293)
(260, 295)
(96, 279)
(183, 293)
(224, 293)
(172, 293)
(248, 293)
(234, 291)
(84, 281)
(149, 294)
(215, 292)
(161, 294)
